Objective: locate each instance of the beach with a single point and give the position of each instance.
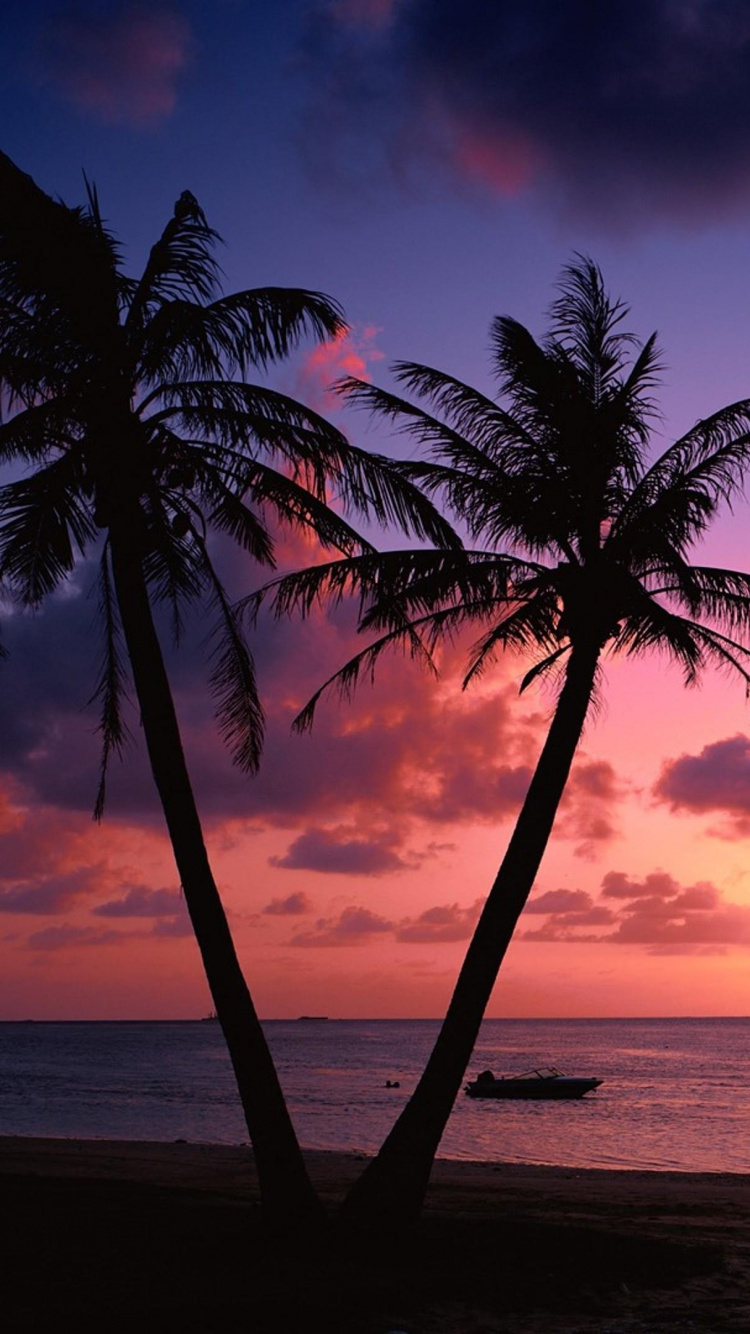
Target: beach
(116, 1235)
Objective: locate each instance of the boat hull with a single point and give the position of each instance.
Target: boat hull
(546, 1089)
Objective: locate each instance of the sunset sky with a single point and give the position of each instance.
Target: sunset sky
(430, 164)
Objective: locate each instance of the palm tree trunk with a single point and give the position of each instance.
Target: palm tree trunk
(391, 1190)
(288, 1200)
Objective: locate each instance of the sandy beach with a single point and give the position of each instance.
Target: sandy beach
(142, 1236)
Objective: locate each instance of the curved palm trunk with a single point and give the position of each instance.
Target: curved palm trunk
(288, 1200)
(392, 1188)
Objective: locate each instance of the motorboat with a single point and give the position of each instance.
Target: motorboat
(547, 1082)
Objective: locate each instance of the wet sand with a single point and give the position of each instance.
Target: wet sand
(112, 1235)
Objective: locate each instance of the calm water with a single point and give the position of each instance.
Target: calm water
(675, 1096)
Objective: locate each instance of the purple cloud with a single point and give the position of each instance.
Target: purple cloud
(441, 924)
(353, 926)
(121, 66)
(142, 902)
(656, 912)
(559, 901)
(622, 112)
(717, 779)
(294, 905)
(330, 852)
(51, 895)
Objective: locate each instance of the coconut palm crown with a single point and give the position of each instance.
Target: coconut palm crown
(128, 397)
(577, 544)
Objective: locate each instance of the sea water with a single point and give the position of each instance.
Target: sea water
(675, 1096)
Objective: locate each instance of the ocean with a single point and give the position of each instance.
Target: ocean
(676, 1092)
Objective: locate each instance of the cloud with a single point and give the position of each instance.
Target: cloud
(717, 779)
(140, 901)
(52, 894)
(441, 924)
(591, 797)
(121, 66)
(330, 852)
(617, 885)
(375, 14)
(294, 905)
(353, 926)
(619, 112)
(559, 901)
(656, 912)
(350, 352)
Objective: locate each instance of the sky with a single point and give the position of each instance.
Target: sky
(430, 164)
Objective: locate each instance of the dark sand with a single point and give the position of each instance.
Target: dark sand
(119, 1236)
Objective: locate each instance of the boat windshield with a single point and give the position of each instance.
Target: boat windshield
(544, 1072)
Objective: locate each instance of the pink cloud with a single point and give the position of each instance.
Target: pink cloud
(441, 924)
(351, 352)
(294, 905)
(588, 805)
(617, 885)
(656, 912)
(503, 158)
(121, 66)
(353, 926)
(559, 901)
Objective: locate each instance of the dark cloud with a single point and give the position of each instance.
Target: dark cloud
(717, 779)
(142, 902)
(121, 66)
(333, 853)
(294, 905)
(656, 912)
(438, 925)
(353, 926)
(51, 895)
(559, 901)
(617, 885)
(622, 111)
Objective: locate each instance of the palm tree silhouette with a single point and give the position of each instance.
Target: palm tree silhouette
(578, 545)
(128, 398)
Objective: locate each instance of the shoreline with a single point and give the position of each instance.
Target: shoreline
(502, 1247)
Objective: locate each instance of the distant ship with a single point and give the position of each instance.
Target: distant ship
(312, 1018)
(208, 1018)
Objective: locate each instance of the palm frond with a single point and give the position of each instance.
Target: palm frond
(346, 679)
(180, 267)
(239, 711)
(42, 520)
(254, 328)
(523, 625)
(542, 667)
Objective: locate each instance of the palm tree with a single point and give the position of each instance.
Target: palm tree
(129, 400)
(579, 546)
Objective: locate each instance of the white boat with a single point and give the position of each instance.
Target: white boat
(547, 1082)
